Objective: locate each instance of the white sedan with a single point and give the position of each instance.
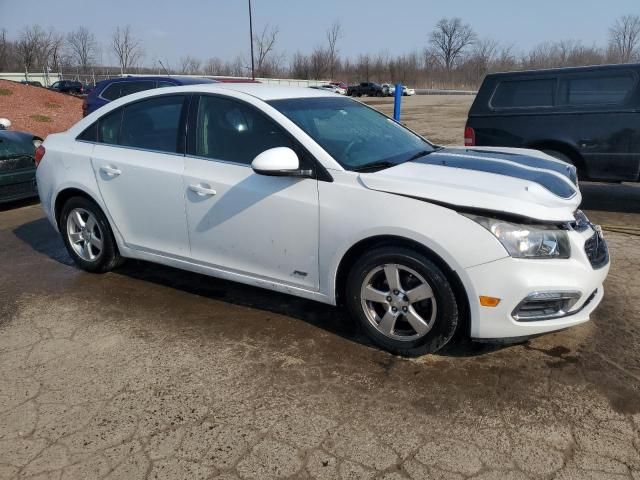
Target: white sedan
(305, 192)
(331, 88)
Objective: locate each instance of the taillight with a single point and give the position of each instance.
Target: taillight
(469, 137)
(40, 151)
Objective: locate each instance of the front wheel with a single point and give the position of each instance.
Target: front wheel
(402, 300)
(88, 237)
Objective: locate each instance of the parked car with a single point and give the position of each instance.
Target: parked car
(407, 92)
(320, 196)
(17, 167)
(341, 85)
(68, 86)
(31, 83)
(331, 88)
(365, 88)
(588, 117)
(388, 89)
(108, 90)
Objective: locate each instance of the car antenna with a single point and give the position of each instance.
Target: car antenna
(165, 68)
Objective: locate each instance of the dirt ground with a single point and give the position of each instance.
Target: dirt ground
(439, 118)
(149, 372)
(38, 110)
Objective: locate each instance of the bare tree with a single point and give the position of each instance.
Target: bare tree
(83, 48)
(264, 46)
(318, 63)
(4, 49)
(300, 66)
(449, 40)
(333, 35)
(29, 46)
(127, 48)
(624, 37)
(190, 65)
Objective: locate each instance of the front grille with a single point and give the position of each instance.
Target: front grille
(597, 252)
(17, 189)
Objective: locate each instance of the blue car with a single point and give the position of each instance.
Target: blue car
(114, 88)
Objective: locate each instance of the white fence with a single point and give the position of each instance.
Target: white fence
(45, 80)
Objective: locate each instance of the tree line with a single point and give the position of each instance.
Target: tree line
(454, 56)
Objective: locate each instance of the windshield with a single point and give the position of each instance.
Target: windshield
(352, 133)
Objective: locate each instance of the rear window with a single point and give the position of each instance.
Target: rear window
(610, 89)
(524, 94)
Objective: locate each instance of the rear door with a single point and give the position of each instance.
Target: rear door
(138, 162)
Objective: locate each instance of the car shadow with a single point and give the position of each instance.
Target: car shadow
(610, 197)
(41, 237)
(18, 204)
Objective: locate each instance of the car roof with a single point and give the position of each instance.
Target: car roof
(178, 79)
(548, 71)
(261, 91)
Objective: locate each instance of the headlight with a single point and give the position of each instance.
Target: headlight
(527, 241)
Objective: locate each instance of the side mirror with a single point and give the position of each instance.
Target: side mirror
(279, 162)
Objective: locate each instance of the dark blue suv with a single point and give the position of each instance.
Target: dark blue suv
(114, 88)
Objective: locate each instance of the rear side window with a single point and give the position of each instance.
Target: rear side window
(524, 94)
(109, 127)
(165, 84)
(112, 92)
(127, 88)
(152, 124)
(610, 89)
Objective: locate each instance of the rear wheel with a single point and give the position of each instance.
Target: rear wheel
(402, 300)
(88, 237)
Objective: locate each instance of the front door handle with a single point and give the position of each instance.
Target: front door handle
(110, 171)
(203, 191)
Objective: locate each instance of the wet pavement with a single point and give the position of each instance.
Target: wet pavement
(150, 372)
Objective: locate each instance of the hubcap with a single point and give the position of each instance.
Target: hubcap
(398, 302)
(84, 234)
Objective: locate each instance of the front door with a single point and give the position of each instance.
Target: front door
(238, 220)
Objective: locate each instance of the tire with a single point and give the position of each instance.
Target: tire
(438, 309)
(87, 236)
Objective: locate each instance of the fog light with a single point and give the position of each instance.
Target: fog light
(545, 306)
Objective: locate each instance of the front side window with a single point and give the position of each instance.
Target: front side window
(524, 94)
(152, 124)
(355, 135)
(609, 89)
(233, 131)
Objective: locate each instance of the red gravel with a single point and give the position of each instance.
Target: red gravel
(38, 110)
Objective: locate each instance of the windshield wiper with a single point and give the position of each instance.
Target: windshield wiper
(422, 153)
(375, 166)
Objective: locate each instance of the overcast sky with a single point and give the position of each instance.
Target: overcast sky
(208, 28)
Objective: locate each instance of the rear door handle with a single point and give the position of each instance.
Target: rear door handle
(203, 191)
(110, 171)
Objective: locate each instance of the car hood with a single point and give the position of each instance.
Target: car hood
(520, 182)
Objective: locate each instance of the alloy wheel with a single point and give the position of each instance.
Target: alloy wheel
(84, 234)
(398, 302)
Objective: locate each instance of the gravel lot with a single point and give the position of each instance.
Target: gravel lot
(149, 372)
